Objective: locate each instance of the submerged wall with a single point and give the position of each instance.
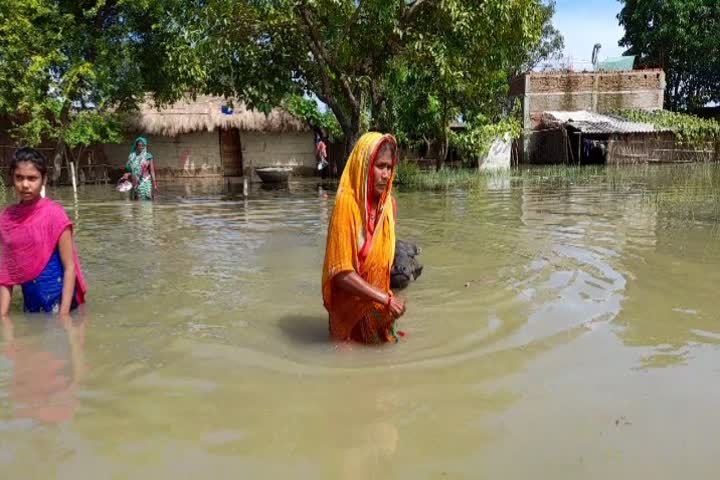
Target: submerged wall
(190, 155)
(278, 149)
(658, 148)
(198, 155)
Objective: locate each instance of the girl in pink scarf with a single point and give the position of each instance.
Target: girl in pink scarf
(36, 244)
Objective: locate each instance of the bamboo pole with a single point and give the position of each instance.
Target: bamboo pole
(72, 176)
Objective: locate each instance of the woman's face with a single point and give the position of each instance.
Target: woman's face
(28, 182)
(139, 147)
(382, 171)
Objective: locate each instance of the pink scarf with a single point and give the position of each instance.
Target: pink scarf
(29, 235)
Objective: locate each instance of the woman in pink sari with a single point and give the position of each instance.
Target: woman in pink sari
(36, 244)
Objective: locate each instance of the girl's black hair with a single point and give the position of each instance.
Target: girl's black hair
(27, 154)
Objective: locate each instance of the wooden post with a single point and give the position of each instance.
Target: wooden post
(579, 148)
(72, 175)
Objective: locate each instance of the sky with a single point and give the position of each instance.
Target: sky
(584, 23)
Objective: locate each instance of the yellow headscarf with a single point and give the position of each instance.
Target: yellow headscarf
(348, 232)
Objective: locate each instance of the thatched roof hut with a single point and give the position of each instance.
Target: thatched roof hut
(207, 113)
(205, 138)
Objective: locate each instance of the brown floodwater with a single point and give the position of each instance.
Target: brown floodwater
(559, 330)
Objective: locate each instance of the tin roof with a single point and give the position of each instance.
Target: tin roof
(616, 64)
(597, 123)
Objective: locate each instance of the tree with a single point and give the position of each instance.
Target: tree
(362, 58)
(551, 44)
(456, 70)
(69, 67)
(679, 36)
(343, 51)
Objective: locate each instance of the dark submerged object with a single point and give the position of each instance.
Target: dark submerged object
(274, 174)
(406, 268)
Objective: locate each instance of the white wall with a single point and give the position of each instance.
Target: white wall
(499, 155)
(272, 149)
(198, 154)
(192, 154)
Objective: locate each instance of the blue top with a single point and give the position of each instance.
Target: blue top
(44, 294)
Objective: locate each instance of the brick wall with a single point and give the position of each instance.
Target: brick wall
(601, 92)
(606, 81)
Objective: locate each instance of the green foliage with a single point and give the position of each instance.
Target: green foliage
(457, 65)
(231, 48)
(411, 67)
(362, 59)
(69, 67)
(679, 36)
(551, 43)
(690, 129)
(475, 141)
(407, 173)
(90, 127)
(308, 111)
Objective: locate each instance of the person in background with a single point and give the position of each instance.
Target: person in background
(321, 153)
(140, 169)
(36, 241)
(361, 247)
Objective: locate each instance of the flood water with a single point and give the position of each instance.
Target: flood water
(562, 331)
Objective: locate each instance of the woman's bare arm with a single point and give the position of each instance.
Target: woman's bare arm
(354, 284)
(65, 245)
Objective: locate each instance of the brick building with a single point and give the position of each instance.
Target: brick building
(598, 92)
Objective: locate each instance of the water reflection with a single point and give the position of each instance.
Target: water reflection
(668, 304)
(47, 364)
(372, 442)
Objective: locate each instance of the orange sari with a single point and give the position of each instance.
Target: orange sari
(355, 244)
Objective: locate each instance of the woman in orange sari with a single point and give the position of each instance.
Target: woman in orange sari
(361, 246)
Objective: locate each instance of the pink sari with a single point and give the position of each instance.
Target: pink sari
(29, 235)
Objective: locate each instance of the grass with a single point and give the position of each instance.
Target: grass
(692, 193)
(686, 192)
(409, 175)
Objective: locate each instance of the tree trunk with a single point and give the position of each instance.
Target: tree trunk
(57, 162)
(352, 134)
(443, 153)
(60, 149)
(351, 137)
(444, 142)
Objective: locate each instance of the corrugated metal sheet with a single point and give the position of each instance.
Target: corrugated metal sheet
(616, 64)
(596, 123)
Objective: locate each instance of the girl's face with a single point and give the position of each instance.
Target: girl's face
(28, 182)
(139, 147)
(382, 171)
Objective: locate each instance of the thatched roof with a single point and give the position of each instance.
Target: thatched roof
(205, 114)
